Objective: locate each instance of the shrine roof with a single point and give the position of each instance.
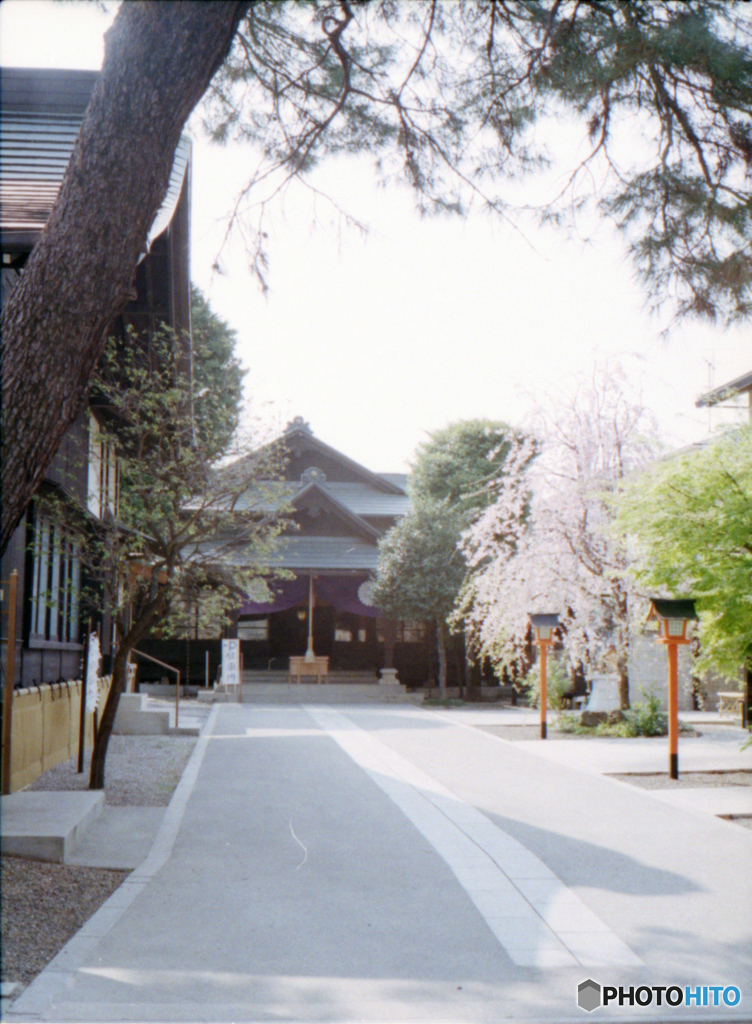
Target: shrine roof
(321, 553)
(366, 501)
(359, 498)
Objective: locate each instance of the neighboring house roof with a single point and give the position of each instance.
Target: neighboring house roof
(41, 111)
(726, 391)
(398, 479)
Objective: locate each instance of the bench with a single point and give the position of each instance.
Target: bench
(299, 667)
(574, 699)
(730, 702)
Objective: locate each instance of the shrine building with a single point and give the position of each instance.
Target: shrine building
(340, 510)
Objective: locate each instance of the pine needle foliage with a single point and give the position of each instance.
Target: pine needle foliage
(456, 97)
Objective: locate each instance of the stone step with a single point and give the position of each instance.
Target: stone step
(339, 676)
(47, 825)
(135, 718)
(326, 693)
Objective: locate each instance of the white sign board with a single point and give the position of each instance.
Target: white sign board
(92, 673)
(231, 663)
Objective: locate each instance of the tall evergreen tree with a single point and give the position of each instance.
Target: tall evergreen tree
(421, 565)
(216, 370)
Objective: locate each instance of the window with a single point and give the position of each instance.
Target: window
(56, 585)
(103, 489)
(253, 629)
(409, 631)
(349, 628)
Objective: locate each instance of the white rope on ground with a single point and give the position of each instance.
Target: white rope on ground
(305, 858)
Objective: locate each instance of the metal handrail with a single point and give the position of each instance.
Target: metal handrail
(170, 668)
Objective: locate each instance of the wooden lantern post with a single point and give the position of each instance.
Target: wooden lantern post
(544, 626)
(672, 617)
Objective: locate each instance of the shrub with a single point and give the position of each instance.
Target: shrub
(557, 684)
(646, 717)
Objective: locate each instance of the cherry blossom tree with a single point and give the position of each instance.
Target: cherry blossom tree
(547, 543)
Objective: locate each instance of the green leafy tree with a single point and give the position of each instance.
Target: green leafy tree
(216, 371)
(421, 570)
(691, 517)
(451, 97)
(458, 463)
(169, 541)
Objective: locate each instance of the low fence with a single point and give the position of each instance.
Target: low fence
(45, 728)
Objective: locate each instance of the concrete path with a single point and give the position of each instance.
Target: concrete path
(394, 864)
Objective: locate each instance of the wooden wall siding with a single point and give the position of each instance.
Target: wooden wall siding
(46, 728)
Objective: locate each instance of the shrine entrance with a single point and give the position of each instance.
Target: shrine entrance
(341, 626)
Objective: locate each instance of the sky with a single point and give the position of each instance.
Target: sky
(377, 340)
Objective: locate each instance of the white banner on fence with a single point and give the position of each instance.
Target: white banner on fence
(92, 672)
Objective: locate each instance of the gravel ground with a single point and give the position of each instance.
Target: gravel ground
(43, 905)
(532, 732)
(686, 780)
(141, 771)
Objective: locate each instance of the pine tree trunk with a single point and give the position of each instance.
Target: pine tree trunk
(159, 60)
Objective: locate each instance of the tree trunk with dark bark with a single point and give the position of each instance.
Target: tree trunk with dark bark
(140, 628)
(159, 60)
(441, 650)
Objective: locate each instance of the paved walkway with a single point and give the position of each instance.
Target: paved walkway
(395, 864)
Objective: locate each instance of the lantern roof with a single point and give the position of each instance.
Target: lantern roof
(664, 608)
(544, 619)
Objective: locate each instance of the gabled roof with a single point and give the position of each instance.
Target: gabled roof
(360, 495)
(299, 429)
(303, 499)
(41, 111)
(726, 391)
(337, 554)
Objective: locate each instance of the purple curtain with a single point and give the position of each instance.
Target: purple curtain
(287, 593)
(347, 593)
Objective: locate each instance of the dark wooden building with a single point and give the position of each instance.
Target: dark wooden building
(340, 510)
(40, 115)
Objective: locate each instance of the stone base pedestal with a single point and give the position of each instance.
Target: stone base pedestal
(604, 695)
(388, 677)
